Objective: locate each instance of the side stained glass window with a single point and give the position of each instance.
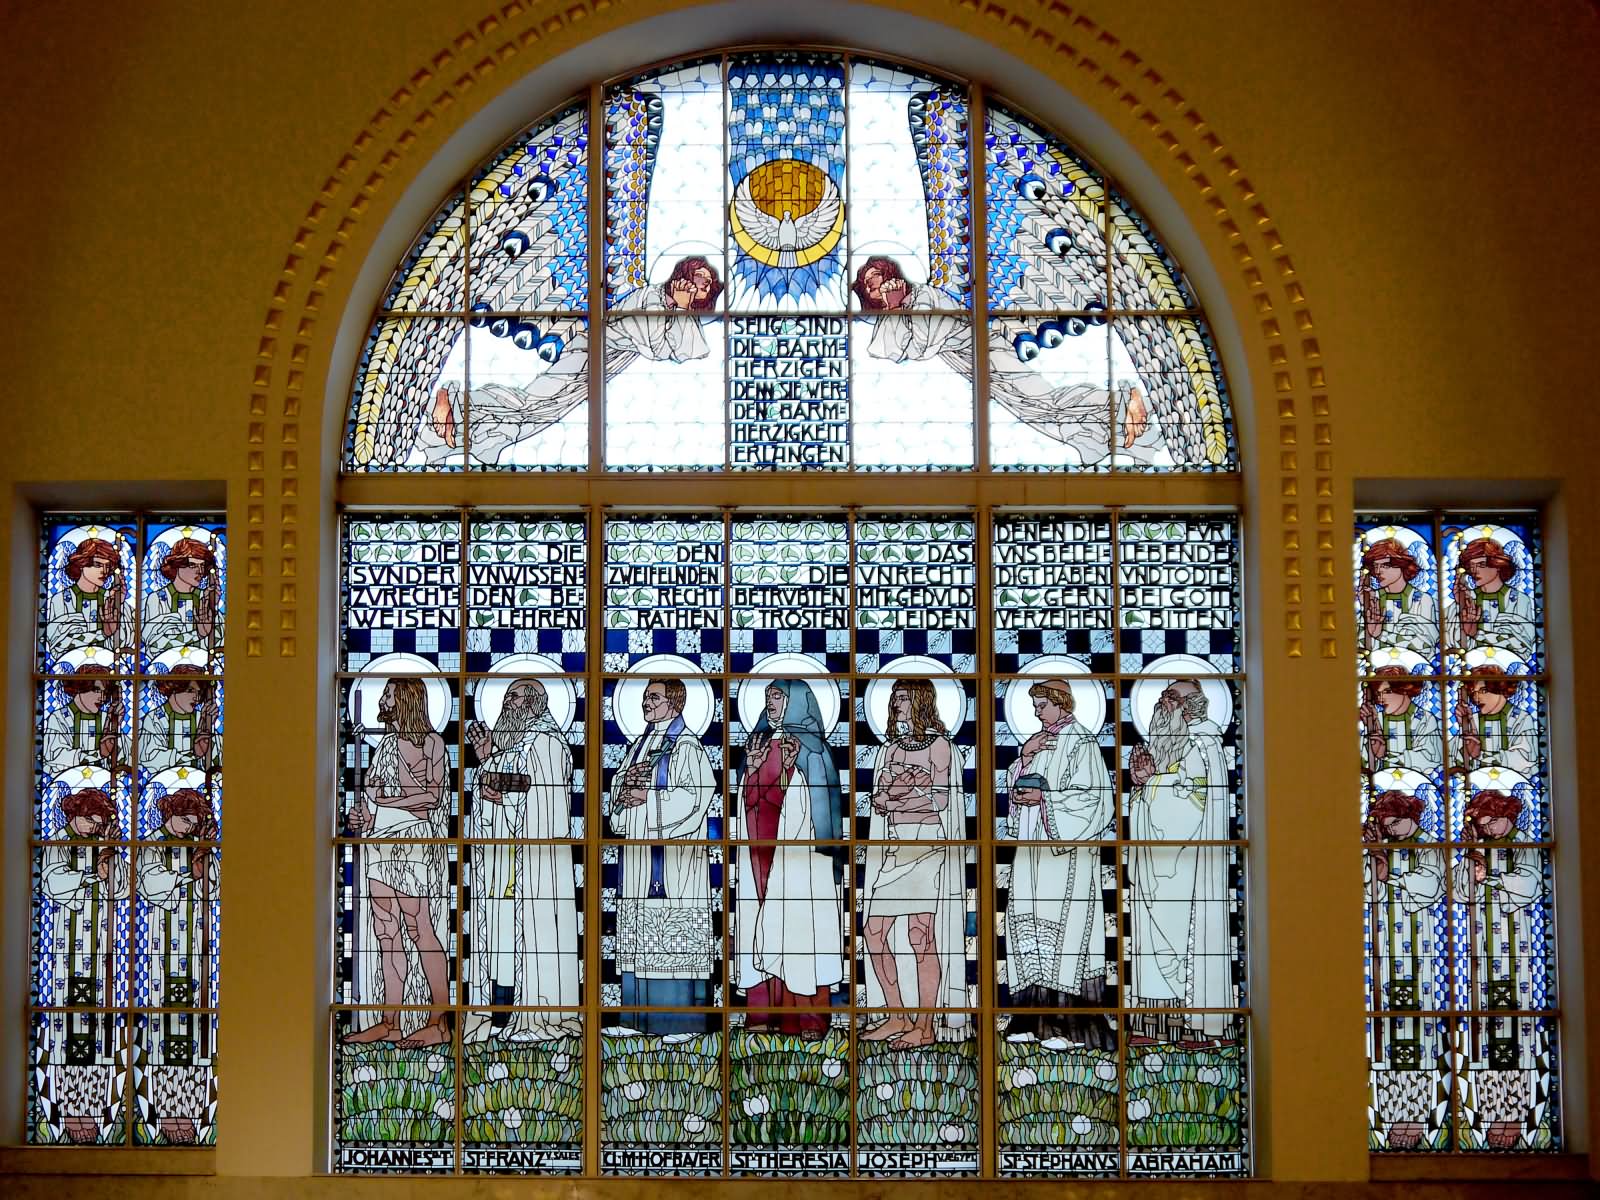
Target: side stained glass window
(127, 829)
(1457, 834)
(787, 282)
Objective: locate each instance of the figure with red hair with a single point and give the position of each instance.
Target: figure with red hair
(176, 879)
(87, 729)
(1486, 611)
(1396, 609)
(183, 731)
(183, 608)
(1492, 731)
(82, 878)
(1405, 883)
(92, 610)
(1396, 731)
(1500, 883)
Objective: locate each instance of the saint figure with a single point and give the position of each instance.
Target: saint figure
(87, 729)
(1486, 610)
(93, 609)
(664, 789)
(1181, 955)
(525, 914)
(1394, 611)
(183, 731)
(1395, 730)
(790, 947)
(404, 798)
(1492, 731)
(913, 872)
(185, 611)
(1060, 793)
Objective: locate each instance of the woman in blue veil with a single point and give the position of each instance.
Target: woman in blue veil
(802, 721)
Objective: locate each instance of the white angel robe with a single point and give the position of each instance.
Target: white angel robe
(1500, 911)
(666, 936)
(1400, 927)
(167, 737)
(525, 921)
(1411, 740)
(1508, 740)
(169, 619)
(1055, 918)
(71, 738)
(176, 915)
(919, 871)
(73, 622)
(1505, 621)
(1079, 414)
(1181, 955)
(1410, 621)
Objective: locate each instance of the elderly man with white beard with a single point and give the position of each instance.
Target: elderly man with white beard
(1179, 937)
(525, 918)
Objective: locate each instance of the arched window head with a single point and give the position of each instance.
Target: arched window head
(788, 261)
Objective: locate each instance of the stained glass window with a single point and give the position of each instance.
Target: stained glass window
(809, 798)
(126, 829)
(1457, 834)
(783, 279)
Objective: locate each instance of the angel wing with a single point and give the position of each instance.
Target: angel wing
(527, 213)
(938, 120)
(1047, 216)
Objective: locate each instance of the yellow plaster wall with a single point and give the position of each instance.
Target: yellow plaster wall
(1397, 202)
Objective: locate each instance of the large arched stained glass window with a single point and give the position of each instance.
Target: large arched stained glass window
(783, 263)
(687, 828)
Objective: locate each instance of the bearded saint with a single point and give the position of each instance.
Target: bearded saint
(525, 918)
(913, 872)
(789, 944)
(1055, 918)
(405, 904)
(1181, 956)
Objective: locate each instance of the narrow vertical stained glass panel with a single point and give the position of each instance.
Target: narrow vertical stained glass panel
(916, 579)
(665, 584)
(402, 591)
(1457, 833)
(126, 830)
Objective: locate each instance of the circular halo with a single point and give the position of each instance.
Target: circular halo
(77, 779)
(1492, 656)
(1088, 697)
(787, 664)
(182, 656)
(1399, 656)
(176, 778)
(86, 656)
(1219, 696)
(698, 701)
(1496, 779)
(169, 537)
(1399, 779)
(369, 688)
(949, 697)
(1497, 533)
(559, 693)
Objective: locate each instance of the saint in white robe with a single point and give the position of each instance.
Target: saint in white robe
(1055, 919)
(170, 615)
(665, 949)
(71, 738)
(919, 871)
(73, 622)
(167, 739)
(1505, 621)
(525, 920)
(1411, 740)
(1410, 622)
(1181, 954)
(1509, 740)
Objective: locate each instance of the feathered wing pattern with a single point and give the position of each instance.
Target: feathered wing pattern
(633, 134)
(1047, 215)
(938, 120)
(529, 210)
